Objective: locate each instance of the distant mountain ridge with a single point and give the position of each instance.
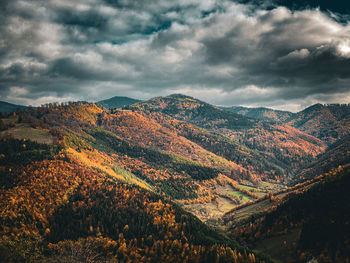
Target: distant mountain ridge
(328, 122)
(261, 113)
(117, 102)
(6, 107)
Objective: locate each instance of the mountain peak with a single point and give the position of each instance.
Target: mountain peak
(314, 107)
(179, 96)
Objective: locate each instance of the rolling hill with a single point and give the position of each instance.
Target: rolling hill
(337, 154)
(189, 109)
(170, 157)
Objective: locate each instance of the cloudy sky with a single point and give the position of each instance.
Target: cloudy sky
(252, 53)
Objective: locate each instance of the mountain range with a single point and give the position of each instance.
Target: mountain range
(326, 122)
(125, 179)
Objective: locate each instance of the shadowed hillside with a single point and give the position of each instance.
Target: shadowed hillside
(337, 154)
(309, 223)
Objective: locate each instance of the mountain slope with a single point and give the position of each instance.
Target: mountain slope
(97, 191)
(84, 215)
(117, 102)
(329, 122)
(261, 113)
(326, 122)
(308, 224)
(153, 153)
(118, 181)
(337, 154)
(6, 107)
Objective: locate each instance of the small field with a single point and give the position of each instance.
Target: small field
(272, 187)
(241, 196)
(25, 131)
(259, 192)
(210, 211)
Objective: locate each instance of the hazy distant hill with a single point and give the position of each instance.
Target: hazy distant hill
(117, 102)
(261, 113)
(6, 107)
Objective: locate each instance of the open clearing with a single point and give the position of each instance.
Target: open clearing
(25, 131)
(241, 196)
(210, 211)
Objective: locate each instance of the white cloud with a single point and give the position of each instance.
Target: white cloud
(17, 91)
(344, 48)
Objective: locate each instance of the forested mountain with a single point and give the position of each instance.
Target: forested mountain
(326, 122)
(189, 109)
(118, 184)
(261, 113)
(155, 151)
(337, 154)
(6, 107)
(117, 102)
(97, 192)
(281, 144)
(84, 215)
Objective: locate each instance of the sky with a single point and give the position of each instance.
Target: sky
(281, 54)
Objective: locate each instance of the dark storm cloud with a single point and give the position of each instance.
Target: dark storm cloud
(335, 6)
(297, 53)
(220, 51)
